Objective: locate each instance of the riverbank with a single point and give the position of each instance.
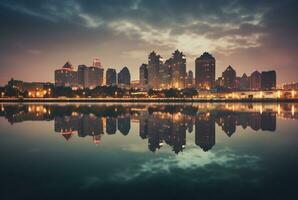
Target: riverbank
(142, 100)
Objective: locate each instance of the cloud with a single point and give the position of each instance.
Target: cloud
(238, 31)
(192, 159)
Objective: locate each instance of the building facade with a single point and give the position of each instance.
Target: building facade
(111, 77)
(124, 77)
(154, 64)
(189, 79)
(90, 77)
(205, 71)
(229, 78)
(95, 77)
(165, 74)
(255, 81)
(67, 76)
(268, 80)
(143, 75)
(178, 70)
(83, 74)
(244, 83)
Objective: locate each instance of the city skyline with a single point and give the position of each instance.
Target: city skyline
(245, 35)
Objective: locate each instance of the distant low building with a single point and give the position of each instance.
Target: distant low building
(290, 86)
(33, 89)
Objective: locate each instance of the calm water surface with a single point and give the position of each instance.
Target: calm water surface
(148, 151)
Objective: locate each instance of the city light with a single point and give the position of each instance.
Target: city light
(159, 80)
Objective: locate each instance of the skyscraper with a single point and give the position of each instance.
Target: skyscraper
(255, 81)
(90, 77)
(111, 77)
(83, 74)
(205, 71)
(229, 78)
(268, 80)
(95, 76)
(143, 75)
(178, 69)
(67, 76)
(165, 74)
(124, 77)
(154, 63)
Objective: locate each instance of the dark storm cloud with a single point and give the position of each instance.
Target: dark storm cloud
(231, 26)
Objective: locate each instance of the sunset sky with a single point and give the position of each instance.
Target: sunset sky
(38, 37)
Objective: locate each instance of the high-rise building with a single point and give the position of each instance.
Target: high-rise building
(95, 77)
(143, 75)
(229, 78)
(124, 77)
(189, 79)
(244, 82)
(255, 81)
(165, 74)
(268, 80)
(205, 71)
(154, 63)
(90, 77)
(178, 70)
(67, 76)
(83, 74)
(111, 77)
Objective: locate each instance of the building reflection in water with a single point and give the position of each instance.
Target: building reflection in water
(159, 124)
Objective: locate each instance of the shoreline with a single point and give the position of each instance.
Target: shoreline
(145, 100)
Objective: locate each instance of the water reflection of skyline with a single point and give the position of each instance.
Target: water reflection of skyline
(159, 124)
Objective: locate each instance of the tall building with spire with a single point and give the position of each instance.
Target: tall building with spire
(205, 71)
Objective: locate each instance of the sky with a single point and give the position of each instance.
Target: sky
(37, 37)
